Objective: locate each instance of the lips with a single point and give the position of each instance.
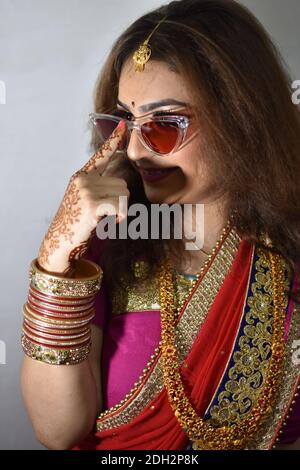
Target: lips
(155, 174)
(156, 171)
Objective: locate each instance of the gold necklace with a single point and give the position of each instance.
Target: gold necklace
(210, 256)
(202, 432)
(179, 278)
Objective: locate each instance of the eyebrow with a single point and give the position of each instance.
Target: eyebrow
(149, 107)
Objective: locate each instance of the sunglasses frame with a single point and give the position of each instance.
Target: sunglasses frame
(182, 121)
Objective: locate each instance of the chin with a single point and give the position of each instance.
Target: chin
(156, 198)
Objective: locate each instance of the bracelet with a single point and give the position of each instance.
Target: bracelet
(53, 355)
(52, 342)
(52, 326)
(54, 333)
(55, 299)
(67, 322)
(51, 307)
(57, 315)
(52, 312)
(68, 287)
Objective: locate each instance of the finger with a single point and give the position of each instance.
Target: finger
(101, 158)
(113, 206)
(109, 191)
(111, 181)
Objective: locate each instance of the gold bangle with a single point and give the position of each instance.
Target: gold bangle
(37, 339)
(57, 308)
(55, 356)
(48, 320)
(51, 298)
(63, 321)
(48, 335)
(54, 331)
(37, 308)
(55, 340)
(68, 287)
(51, 326)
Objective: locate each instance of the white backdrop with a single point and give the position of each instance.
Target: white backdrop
(50, 54)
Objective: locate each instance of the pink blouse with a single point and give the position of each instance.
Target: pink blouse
(129, 340)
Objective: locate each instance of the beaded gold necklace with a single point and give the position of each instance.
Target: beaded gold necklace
(191, 280)
(204, 435)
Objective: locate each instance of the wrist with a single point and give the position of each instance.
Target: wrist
(56, 269)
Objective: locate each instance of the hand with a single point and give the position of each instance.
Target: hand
(88, 198)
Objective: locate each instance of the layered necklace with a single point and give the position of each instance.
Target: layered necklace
(204, 435)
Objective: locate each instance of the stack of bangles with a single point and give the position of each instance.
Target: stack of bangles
(58, 313)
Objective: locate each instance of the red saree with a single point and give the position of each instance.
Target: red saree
(224, 338)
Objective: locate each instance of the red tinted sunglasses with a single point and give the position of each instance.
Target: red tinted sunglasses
(162, 133)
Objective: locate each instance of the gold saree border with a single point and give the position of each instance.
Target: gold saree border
(234, 410)
(271, 429)
(251, 355)
(237, 332)
(188, 327)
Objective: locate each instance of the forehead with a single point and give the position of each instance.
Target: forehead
(155, 83)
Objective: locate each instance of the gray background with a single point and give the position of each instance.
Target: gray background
(50, 54)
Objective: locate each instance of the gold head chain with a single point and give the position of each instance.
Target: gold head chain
(143, 53)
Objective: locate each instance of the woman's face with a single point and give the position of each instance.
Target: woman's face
(189, 183)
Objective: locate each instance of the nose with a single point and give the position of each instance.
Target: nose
(135, 148)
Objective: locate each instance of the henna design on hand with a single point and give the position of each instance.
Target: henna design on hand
(68, 213)
(79, 251)
(99, 154)
(65, 217)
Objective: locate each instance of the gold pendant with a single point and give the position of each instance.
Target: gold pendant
(141, 56)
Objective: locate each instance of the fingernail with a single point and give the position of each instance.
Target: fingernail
(121, 125)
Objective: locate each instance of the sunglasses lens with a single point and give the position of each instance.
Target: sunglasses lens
(105, 128)
(161, 136)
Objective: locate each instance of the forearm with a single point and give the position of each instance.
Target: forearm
(61, 401)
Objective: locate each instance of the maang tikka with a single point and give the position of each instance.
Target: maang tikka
(143, 53)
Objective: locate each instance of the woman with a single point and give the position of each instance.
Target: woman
(190, 349)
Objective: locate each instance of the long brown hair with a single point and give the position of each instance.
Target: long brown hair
(242, 101)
